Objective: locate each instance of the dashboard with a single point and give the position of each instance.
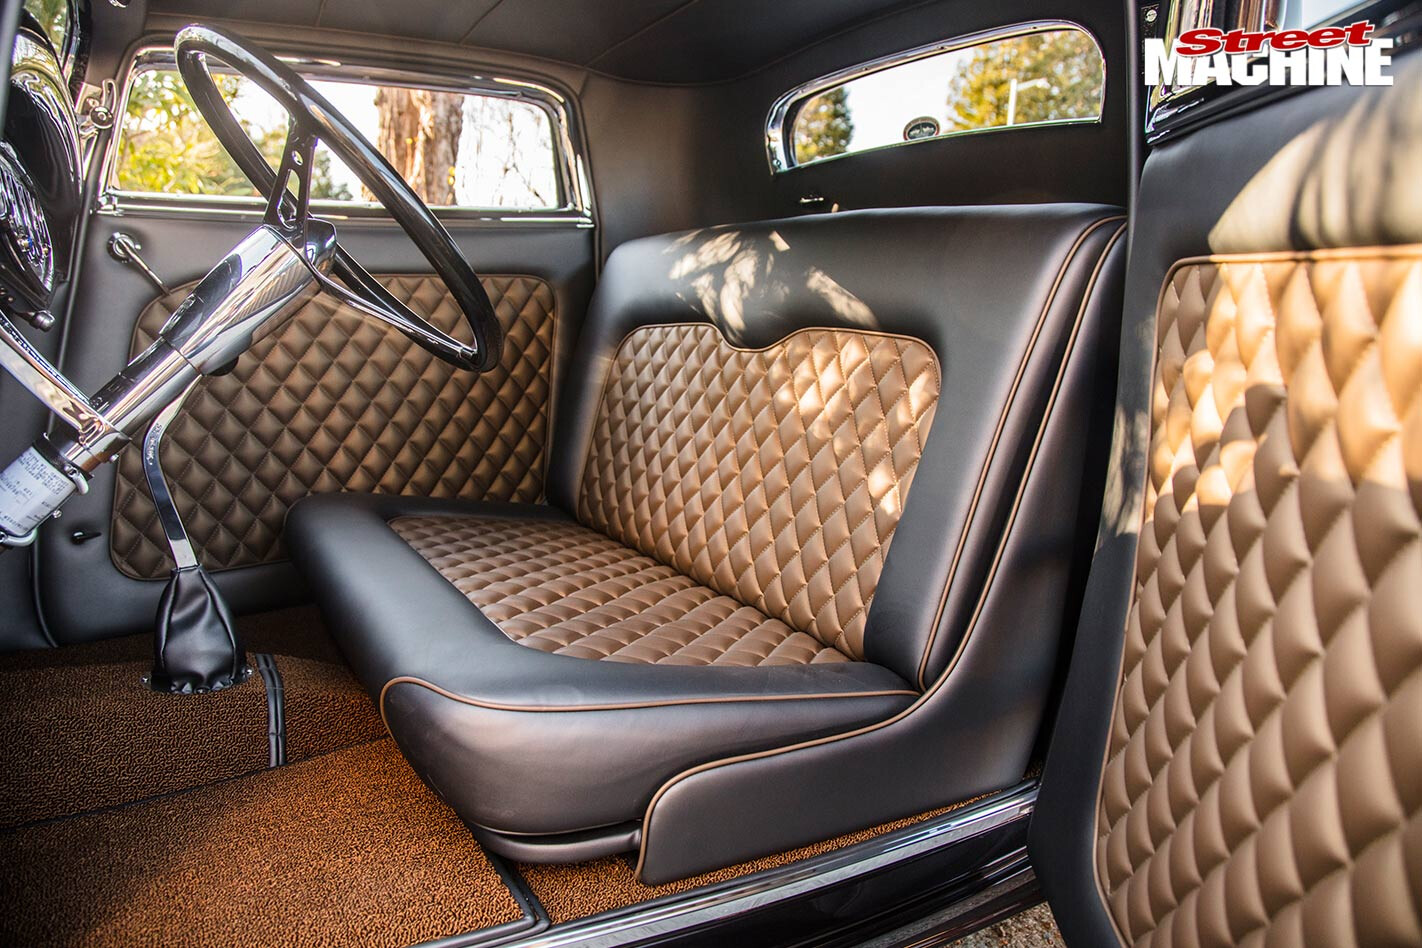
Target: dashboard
(41, 181)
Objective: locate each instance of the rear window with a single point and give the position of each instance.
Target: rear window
(456, 149)
(1033, 74)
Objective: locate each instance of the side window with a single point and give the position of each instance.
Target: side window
(456, 149)
(53, 16)
(1032, 74)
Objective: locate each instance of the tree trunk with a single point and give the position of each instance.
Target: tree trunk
(419, 134)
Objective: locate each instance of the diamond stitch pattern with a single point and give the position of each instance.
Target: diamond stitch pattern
(332, 402)
(775, 477)
(1263, 783)
(562, 588)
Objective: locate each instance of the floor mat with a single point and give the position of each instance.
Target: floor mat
(79, 731)
(89, 736)
(349, 848)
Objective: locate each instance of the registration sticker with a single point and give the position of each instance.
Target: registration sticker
(30, 490)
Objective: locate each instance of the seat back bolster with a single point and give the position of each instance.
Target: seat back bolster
(995, 674)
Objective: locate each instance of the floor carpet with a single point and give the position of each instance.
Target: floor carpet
(349, 848)
(79, 731)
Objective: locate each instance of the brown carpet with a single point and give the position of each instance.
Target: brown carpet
(91, 736)
(79, 731)
(345, 849)
(326, 708)
(587, 888)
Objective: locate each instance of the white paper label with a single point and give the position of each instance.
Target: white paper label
(30, 490)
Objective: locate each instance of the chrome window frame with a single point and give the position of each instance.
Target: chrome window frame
(785, 109)
(575, 201)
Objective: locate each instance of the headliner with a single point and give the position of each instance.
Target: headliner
(673, 41)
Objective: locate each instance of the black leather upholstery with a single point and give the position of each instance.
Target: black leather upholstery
(533, 726)
(196, 647)
(524, 742)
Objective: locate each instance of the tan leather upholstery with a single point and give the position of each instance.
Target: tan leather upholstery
(333, 402)
(774, 476)
(1262, 778)
(560, 587)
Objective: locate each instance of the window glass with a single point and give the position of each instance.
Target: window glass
(1050, 75)
(1315, 12)
(454, 148)
(53, 15)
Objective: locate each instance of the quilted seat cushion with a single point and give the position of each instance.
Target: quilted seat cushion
(562, 588)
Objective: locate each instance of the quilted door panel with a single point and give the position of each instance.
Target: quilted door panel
(1262, 783)
(332, 402)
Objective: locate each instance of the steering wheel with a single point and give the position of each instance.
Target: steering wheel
(312, 118)
(274, 270)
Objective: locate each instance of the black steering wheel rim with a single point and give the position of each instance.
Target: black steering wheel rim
(312, 115)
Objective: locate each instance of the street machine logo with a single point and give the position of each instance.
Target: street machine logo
(1325, 56)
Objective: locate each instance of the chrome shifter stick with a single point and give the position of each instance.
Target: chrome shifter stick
(178, 543)
(196, 647)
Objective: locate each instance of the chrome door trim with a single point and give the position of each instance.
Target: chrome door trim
(764, 889)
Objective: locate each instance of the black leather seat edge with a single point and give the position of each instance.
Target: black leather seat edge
(723, 764)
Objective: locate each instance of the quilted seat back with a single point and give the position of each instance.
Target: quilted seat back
(826, 418)
(775, 476)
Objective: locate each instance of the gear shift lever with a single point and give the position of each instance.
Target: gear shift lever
(196, 647)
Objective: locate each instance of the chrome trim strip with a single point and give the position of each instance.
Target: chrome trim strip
(764, 889)
(576, 207)
(781, 158)
(124, 203)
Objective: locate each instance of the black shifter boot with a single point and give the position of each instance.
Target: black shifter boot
(196, 647)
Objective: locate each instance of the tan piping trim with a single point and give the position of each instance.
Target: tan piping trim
(1282, 256)
(997, 434)
(982, 599)
(629, 705)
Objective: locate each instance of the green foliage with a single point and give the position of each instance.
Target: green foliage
(823, 127)
(166, 147)
(53, 15)
(980, 92)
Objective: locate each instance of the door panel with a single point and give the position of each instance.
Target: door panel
(330, 402)
(1235, 759)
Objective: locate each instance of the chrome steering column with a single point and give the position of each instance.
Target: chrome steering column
(246, 296)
